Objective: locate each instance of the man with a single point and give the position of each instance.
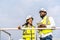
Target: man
(28, 34)
(46, 22)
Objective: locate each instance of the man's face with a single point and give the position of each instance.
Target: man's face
(42, 14)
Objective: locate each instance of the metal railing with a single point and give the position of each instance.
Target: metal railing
(7, 34)
(3, 29)
(57, 28)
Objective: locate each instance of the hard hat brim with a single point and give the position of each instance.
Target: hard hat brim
(42, 11)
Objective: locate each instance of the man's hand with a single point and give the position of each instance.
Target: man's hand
(42, 26)
(19, 27)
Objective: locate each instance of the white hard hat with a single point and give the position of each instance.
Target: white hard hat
(42, 9)
(28, 17)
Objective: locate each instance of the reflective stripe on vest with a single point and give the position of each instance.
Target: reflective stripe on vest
(46, 22)
(29, 34)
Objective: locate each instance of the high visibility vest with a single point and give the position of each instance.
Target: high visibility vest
(45, 21)
(29, 34)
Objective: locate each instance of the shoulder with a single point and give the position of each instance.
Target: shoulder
(24, 26)
(50, 17)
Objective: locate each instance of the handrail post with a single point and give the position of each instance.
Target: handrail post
(8, 34)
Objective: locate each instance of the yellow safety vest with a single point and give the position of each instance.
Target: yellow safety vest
(29, 34)
(46, 22)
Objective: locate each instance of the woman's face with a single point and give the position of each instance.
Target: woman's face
(30, 21)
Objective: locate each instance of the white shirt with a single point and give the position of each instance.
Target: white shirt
(52, 23)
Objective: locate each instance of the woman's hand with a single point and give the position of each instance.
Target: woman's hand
(19, 27)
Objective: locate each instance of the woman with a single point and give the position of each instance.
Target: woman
(28, 34)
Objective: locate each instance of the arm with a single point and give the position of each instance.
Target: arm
(52, 25)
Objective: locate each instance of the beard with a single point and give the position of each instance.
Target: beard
(42, 16)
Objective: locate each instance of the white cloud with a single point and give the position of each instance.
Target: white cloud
(33, 0)
(54, 10)
(30, 2)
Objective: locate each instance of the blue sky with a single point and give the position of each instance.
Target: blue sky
(13, 13)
